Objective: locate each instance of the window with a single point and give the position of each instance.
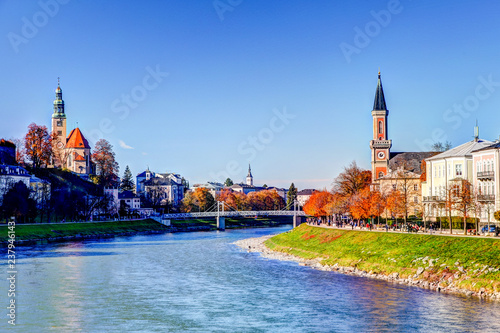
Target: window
(59, 133)
(380, 127)
(380, 174)
(458, 170)
(415, 199)
(59, 123)
(394, 187)
(449, 170)
(415, 187)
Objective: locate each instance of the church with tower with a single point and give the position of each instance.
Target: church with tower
(73, 151)
(388, 166)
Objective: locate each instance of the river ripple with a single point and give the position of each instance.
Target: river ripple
(201, 282)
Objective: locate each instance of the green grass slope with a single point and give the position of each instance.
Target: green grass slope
(45, 231)
(466, 262)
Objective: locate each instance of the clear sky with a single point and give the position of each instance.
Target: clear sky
(204, 87)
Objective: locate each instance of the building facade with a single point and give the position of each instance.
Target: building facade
(446, 169)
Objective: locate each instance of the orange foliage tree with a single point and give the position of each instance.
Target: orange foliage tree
(395, 203)
(317, 203)
(361, 204)
(38, 145)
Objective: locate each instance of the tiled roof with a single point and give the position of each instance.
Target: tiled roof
(306, 192)
(410, 161)
(493, 146)
(463, 150)
(77, 140)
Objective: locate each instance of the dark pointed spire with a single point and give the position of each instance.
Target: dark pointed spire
(249, 171)
(379, 103)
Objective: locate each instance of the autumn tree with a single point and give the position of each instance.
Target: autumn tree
(291, 196)
(317, 203)
(20, 150)
(361, 204)
(449, 202)
(377, 204)
(352, 180)
(38, 145)
(464, 199)
(127, 182)
(200, 199)
(394, 204)
(406, 182)
(106, 165)
(338, 206)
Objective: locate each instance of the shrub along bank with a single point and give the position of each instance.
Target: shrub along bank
(456, 264)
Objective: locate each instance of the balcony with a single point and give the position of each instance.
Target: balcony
(380, 144)
(486, 175)
(434, 198)
(486, 198)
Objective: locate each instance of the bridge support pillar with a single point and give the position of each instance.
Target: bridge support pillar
(221, 222)
(297, 220)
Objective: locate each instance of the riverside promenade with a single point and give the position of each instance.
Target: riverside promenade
(434, 232)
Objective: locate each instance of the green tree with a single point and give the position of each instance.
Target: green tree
(127, 183)
(291, 196)
(228, 182)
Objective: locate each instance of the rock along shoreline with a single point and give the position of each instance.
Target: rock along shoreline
(257, 245)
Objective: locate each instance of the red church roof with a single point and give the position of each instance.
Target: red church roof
(76, 140)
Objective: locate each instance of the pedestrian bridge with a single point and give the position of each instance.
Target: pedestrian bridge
(220, 216)
(236, 213)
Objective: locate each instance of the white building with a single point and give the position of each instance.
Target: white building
(486, 180)
(303, 196)
(444, 169)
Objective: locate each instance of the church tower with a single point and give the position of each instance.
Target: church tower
(249, 177)
(380, 145)
(58, 124)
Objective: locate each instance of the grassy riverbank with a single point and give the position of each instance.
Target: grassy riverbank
(459, 262)
(54, 230)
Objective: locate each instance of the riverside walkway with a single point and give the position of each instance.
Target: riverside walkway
(432, 232)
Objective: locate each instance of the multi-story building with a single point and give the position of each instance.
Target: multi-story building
(486, 180)
(160, 188)
(446, 169)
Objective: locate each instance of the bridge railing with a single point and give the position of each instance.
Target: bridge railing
(234, 214)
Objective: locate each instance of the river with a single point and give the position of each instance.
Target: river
(201, 282)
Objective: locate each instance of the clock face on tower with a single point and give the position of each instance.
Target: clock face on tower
(59, 145)
(381, 155)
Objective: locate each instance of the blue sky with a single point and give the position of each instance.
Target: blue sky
(285, 85)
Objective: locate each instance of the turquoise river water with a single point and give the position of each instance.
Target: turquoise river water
(201, 282)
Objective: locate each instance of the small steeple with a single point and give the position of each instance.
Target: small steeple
(249, 176)
(58, 103)
(379, 103)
